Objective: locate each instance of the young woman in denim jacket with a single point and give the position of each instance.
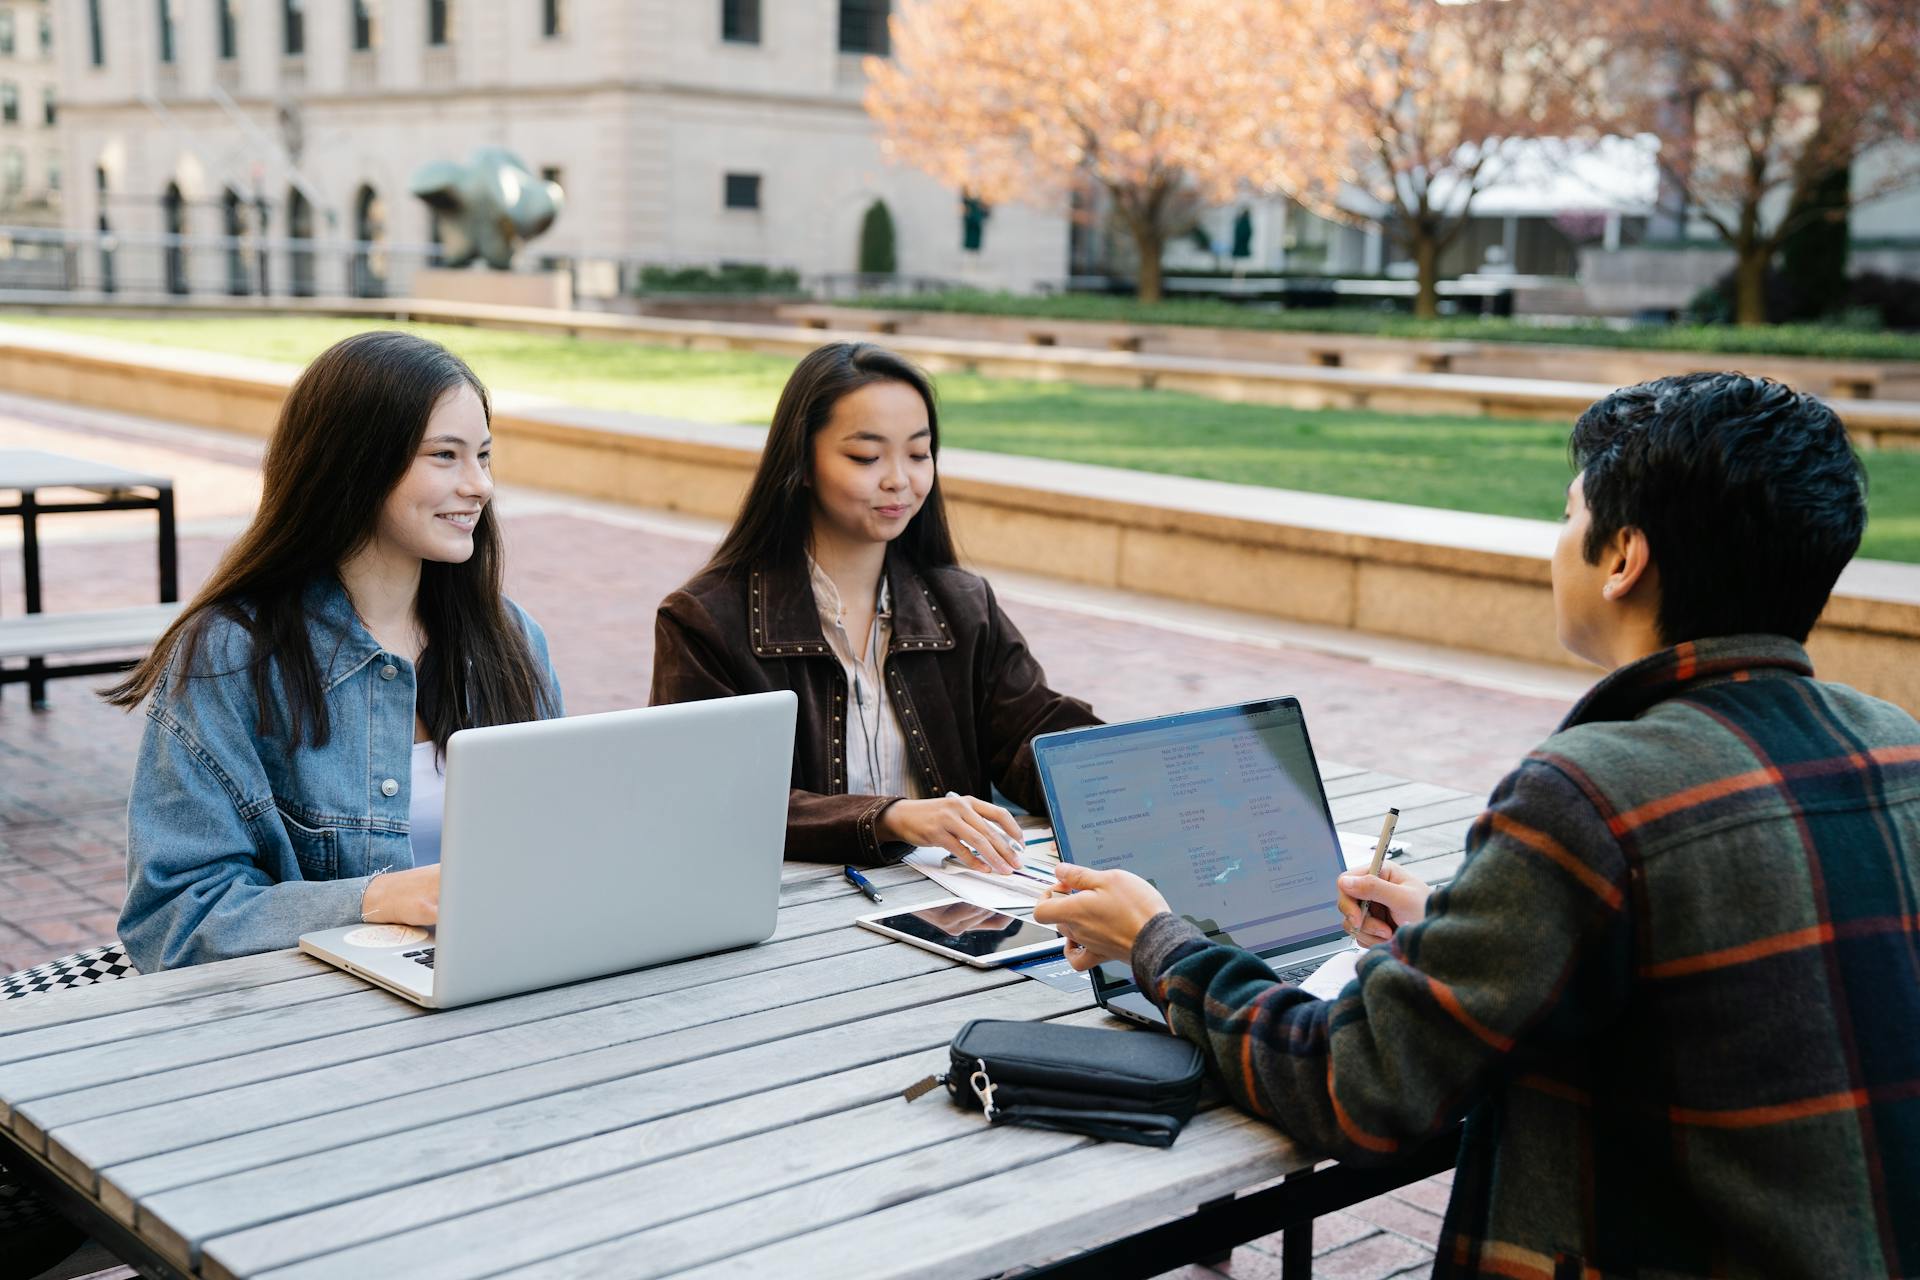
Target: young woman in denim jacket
(299, 710)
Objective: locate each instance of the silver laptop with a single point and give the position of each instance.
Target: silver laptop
(591, 845)
(1223, 811)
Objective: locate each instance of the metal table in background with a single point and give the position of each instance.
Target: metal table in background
(26, 472)
(731, 1115)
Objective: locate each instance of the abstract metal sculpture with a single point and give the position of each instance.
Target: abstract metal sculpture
(488, 207)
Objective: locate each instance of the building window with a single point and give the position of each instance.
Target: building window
(223, 26)
(439, 21)
(9, 103)
(863, 26)
(743, 191)
(53, 170)
(46, 35)
(49, 108)
(552, 18)
(6, 32)
(363, 30)
(293, 27)
(15, 166)
(163, 16)
(740, 21)
(95, 36)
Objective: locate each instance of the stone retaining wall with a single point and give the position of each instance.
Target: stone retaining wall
(1476, 582)
(1844, 379)
(1378, 380)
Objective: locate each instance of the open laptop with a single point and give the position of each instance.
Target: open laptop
(592, 845)
(1223, 811)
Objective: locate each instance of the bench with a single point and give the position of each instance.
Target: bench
(1438, 357)
(1855, 383)
(871, 319)
(35, 636)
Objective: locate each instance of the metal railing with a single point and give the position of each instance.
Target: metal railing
(147, 263)
(155, 266)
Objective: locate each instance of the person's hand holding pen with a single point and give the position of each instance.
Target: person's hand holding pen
(1397, 898)
(978, 834)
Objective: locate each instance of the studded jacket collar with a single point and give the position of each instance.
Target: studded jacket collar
(786, 621)
(969, 694)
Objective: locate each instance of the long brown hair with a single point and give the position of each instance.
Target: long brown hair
(347, 433)
(776, 519)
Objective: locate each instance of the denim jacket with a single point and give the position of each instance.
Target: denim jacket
(237, 844)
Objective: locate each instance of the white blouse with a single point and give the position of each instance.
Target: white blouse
(877, 761)
(426, 805)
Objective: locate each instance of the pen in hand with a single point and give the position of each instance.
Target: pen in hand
(860, 882)
(1379, 856)
(1010, 854)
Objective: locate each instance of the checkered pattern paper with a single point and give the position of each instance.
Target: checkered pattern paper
(82, 969)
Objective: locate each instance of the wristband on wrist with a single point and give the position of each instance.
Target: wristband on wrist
(367, 893)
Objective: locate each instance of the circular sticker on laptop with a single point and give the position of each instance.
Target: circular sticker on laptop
(386, 935)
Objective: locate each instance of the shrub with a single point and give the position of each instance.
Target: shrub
(876, 241)
(1869, 302)
(728, 277)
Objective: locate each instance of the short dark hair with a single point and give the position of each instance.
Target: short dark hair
(1749, 493)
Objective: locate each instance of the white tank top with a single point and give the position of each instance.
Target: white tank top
(427, 805)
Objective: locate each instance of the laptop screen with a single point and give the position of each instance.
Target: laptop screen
(1221, 810)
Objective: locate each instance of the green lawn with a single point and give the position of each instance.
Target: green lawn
(1837, 341)
(1499, 467)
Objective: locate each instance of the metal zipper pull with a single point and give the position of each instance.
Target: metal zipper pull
(921, 1088)
(983, 1087)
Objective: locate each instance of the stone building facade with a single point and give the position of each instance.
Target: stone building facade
(32, 168)
(683, 131)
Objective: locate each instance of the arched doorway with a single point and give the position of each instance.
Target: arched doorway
(233, 213)
(174, 210)
(300, 248)
(369, 250)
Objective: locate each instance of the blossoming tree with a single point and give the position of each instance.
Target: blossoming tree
(1420, 105)
(1758, 103)
(1163, 103)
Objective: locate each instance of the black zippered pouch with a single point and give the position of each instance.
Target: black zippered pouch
(1126, 1086)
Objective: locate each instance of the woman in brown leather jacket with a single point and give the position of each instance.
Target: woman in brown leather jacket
(838, 581)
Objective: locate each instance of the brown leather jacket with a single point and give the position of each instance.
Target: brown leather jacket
(969, 694)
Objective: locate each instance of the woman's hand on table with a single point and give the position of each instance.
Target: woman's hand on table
(958, 824)
(403, 897)
(1100, 912)
(1401, 899)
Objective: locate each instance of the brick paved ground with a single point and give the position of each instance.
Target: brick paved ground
(593, 577)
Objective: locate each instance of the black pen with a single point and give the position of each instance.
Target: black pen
(860, 882)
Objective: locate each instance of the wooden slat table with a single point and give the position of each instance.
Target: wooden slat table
(734, 1115)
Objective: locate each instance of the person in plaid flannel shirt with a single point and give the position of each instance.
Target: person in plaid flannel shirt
(1674, 991)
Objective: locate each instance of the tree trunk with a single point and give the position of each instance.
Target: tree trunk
(1750, 284)
(1149, 242)
(1813, 257)
(1426, 258)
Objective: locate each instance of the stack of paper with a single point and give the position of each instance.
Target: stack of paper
(1001, 892)
(1021, 891)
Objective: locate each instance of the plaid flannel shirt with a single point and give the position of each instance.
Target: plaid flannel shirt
(1674, 991)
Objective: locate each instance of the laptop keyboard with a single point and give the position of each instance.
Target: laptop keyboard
(1299, 972)
(423, 956)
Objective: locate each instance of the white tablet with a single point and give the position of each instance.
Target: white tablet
(979, 936)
